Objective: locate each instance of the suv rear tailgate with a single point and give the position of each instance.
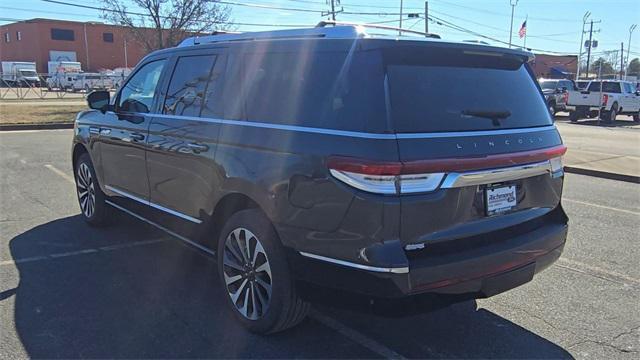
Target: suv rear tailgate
(457, 106)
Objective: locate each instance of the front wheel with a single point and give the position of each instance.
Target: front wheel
(636, 116)
(254, 272)
(93, 208)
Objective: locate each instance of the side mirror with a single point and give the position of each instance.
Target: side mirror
(99, 100)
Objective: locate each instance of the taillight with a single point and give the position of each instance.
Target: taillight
(565, 97)
(605, 99)
(382, 177)
(426, 175)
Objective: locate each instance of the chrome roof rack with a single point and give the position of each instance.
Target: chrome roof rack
(349, 31)
(324, 23)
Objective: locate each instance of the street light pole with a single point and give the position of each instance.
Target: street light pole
(400, 31)
(584, 22)
(631, 29)
(513, 7)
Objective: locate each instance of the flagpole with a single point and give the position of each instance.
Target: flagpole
(526, 21)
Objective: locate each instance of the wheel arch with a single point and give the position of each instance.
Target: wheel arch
(228, 205)
(78, 150)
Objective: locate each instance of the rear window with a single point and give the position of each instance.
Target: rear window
(607, 86)
(437, 90)
(549, 85)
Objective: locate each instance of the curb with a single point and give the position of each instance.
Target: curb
(14, 127)
(602, 174)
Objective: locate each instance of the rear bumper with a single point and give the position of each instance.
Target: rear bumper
(481, 272)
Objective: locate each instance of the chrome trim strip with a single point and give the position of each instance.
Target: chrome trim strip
(457, 180)
(262, 125)
(356, 134)
(158, 226)
(153, 205)
(474, 133)
(394, 270)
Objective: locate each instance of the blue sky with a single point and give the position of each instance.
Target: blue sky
(553, 25)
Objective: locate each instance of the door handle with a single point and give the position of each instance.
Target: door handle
(136, 136)
(197, 148)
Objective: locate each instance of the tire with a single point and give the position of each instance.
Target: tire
(248, 283)
(610, 116)
(552, 108)
(91, 199)
(636, 116)
(573, 116)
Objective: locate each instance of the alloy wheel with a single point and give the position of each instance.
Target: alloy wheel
(247, 273)
(86, 190)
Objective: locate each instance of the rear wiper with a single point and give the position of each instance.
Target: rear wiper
(493, 115)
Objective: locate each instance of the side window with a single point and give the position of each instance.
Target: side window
(214, 100)
(327, 90)
(611, 87)
(137, 94)
(188, 85)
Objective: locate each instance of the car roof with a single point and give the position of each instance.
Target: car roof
(341, 32)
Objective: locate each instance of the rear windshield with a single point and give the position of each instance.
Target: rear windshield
(607, 86)
(549, 85)
(456, 90)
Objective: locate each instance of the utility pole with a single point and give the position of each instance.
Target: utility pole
(633, 27)
(584, 22)
(513, 8)
(333, 12)
(621, 59)
(400, 31)
(590, 46)
(426, 17)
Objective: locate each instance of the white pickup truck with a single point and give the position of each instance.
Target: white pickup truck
(611, 97)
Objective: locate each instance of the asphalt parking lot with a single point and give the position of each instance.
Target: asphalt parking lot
(131, 291)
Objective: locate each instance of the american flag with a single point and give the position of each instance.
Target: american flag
(523, 29)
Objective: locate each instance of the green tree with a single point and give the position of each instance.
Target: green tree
(607, 68)
(634, 67)
(157, 24)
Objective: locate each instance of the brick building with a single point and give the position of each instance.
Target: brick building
(555, 66)
(95, 45)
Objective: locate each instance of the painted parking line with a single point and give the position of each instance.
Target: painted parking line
(597, 271)
(61, 173)
(82, 252)
(601, 206)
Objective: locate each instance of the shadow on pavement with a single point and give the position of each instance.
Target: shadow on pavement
(162, 300)
(595, 122)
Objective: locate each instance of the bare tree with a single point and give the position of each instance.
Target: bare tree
(158, 24)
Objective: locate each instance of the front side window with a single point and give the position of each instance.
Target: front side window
(188, 85)
(137, 94)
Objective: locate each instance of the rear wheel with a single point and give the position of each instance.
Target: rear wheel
(93, 208)
(552, 108)
(573, 116)
(610, 116)
(636, 116)
(255, 274)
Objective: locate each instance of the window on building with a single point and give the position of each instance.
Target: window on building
(188, 85)
(62, 34)
(107, 37)
(18, 35)
(7, 37)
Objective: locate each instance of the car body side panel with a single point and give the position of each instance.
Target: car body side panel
(284, 171)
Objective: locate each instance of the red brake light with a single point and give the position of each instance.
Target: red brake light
(605, 99)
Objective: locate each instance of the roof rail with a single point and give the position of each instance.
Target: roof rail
(324, 23)
(337, 32)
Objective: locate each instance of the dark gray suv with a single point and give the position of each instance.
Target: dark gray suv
(329, 161)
